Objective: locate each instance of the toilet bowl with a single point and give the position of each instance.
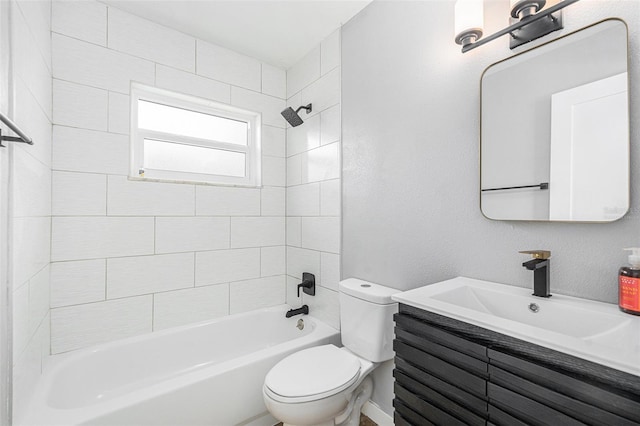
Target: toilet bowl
(327, 385)
(323, 384)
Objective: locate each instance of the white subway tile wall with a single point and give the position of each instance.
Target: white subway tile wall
(269, 106)
(228, 66)
(180, 234)
(305, 72)
(257, 231)
(129, 256)
(227, 201)
(75, 327)
(305, 137)
(321, 233)
(78, 282)
(118, 116)
(182, 307)
(314, 180)
(219, 266)
(294, 231)
(274, 82)
(303, 200)
(145, 39)
(138, 275)
(191, 84)
(82, 20)
(79, 194)
(273, 141)
(32, 177)
(135, 198)
(80, 150)
(80, 106)
(33, 114)
(255, 294)
(30, 185)
(85, 63)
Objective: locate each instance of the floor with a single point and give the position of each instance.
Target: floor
(364, 421)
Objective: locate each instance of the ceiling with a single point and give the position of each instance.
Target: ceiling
(279, 32)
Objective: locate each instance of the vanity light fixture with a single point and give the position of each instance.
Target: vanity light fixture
(528, 22)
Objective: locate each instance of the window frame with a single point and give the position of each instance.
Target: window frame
(252, 151)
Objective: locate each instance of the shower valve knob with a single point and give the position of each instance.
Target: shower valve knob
(308, 284)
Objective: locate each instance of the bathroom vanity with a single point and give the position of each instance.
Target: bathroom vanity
(449, 370)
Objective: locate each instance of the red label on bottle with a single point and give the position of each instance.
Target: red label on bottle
(630, 293)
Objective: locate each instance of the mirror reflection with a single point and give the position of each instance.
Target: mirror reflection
(555, 130)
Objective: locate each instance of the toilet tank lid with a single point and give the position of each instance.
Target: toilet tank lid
(365, 290)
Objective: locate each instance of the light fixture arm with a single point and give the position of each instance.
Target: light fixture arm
(521, 24)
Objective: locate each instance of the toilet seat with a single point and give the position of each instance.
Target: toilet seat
(312, 374)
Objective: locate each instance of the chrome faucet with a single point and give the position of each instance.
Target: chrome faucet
(540, 267)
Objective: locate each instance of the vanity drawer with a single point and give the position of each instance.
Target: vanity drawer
(586, 413)
(620, 403)
(460, 396)
(466, 362)
(406, 416)
(398, 420)
(426, 410)
(441, 369)
(500, 418)
(437, 400)
(438, 335)
(526, 409)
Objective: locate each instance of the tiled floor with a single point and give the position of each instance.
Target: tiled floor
(364, 421)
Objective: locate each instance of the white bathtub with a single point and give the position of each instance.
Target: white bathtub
(210, 373)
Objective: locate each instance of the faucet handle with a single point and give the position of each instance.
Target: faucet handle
(537, 254)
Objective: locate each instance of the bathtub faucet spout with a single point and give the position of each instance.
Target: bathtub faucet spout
(302, 310)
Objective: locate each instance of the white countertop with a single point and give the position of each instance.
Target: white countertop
(595, 331)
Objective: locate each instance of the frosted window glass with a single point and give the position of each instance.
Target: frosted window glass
(179, 121)
(177, 157)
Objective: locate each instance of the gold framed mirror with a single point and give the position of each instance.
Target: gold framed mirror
(554, 140)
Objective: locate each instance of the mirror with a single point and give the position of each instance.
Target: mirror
(554, 140)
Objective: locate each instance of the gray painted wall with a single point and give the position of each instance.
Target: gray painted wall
(410, 110)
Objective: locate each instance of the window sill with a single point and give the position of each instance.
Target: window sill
(191, 182)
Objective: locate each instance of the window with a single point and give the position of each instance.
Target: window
(184, 138)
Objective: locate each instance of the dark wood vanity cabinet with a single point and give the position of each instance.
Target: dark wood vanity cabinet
(448, 372)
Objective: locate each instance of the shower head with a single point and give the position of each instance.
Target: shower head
(292, 116)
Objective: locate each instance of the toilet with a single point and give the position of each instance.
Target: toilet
(327, 385)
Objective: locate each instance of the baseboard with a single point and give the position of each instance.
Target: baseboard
(376, 414)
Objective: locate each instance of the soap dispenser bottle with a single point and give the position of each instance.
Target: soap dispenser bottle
(629, 284)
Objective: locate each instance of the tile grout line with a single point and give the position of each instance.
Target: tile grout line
(106, 278)
(155, 236)
(195, 56)
(106, 41)
(153, 62)
(153, 312)
(140, 295)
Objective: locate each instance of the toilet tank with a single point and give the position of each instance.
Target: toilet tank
(366, 319)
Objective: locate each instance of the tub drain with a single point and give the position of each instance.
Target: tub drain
(300, 324)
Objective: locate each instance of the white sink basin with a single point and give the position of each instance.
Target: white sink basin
(591, 330)
(559, 317)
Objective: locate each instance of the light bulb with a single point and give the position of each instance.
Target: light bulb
(469, 20)
(523, 8)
